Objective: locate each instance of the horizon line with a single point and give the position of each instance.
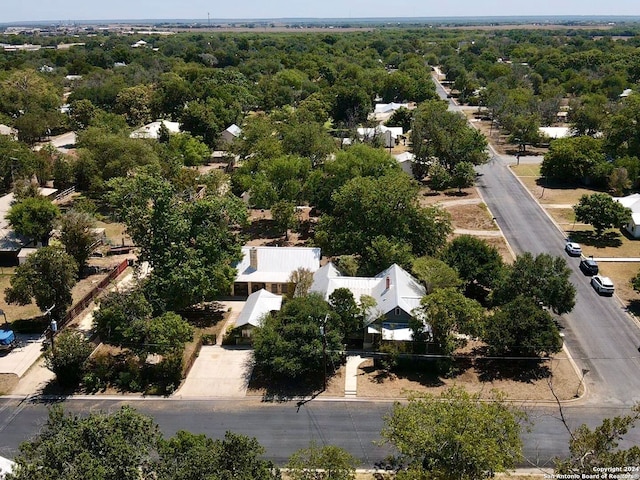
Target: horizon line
(343, 19)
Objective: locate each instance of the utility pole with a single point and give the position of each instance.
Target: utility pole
(53, 326)
(208, 20)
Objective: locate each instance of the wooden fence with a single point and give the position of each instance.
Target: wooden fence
(79, 307)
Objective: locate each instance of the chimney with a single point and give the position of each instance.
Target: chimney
(388, 282)
(253, 258)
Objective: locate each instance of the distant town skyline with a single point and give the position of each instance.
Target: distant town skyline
(78, 10)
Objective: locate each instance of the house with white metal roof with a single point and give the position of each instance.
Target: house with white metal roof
(258, 305)
(389, 135)
(394, 290)
(271, 268)
(229, 135)
(152, 130)
(632, 202)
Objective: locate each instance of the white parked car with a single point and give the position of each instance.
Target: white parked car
(573, 249)
(602, 284)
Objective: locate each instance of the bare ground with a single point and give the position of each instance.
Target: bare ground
(483, 376)
(8, 382)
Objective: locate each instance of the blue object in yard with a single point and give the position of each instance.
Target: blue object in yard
(7, 337)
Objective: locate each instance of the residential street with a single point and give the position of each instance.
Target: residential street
(601, 337)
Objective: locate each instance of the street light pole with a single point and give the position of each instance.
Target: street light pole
(53, 326)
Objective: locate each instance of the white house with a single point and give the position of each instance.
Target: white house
(271, 268)
(230, 134)
(258, 305)
(152, 130)
(406, 161)
(633, 203)
(390, 135)
(394, 290)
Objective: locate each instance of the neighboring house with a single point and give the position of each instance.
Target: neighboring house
(384, 111)
(394, 290)
(152, 130)
(632, 202)
(271, 268)
(9, 131)
(406, 161)
(10, 242)
(230, 134)
(258, 305)
(390, 135)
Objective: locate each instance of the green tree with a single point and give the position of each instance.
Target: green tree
(187, 456)
(619, 181)
(384, 252)
(118, 311)
(600, 447)
(289, 344)
(102, 446)
(439, 177)
(81, 113)
(345, 307)
(190, 244)
(525, 131)
(135, 104)
(163, 335)
(322, 463)
(34, 217)
(449, 312)
(463, 175)
(366, 208)
(77, 235)
(300, 282)
(522, 328)
(455, 435)
(47, 276)
(402, 117)
(475, 260)
(543, 278)
(601, 211)
(635, 282)
(435, 274)
(445, 136)
(572, 159)
(67, 360)
(284, 216)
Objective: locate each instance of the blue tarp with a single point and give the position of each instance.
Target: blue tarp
(6, 337)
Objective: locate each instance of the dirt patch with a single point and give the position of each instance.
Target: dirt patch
(479, 376)
(471, 217)
(335, 388)
(8, 382)
(428, 197)
(262, 230)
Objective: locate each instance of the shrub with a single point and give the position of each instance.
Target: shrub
(68, 358)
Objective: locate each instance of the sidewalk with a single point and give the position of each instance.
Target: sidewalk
(351, 376)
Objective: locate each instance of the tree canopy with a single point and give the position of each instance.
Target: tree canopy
(34, 217)
(455, 435)
(601, 211)
(47, 276)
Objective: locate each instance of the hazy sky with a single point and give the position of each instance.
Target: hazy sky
(189, 9)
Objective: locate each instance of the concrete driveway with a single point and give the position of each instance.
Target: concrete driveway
(218, 372)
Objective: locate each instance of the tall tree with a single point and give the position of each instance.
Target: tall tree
(599, 448)
(572, 159)
(290, 344)
(601, 211)
(455, 435)
(67, 361)
(445, 136)
(190, 244)
(47, 276)
(435, 274)
(475, 260)
(321, 463)
(34, 217)
(77, 235)
(448, 312)
(522, 328)
(543, 278)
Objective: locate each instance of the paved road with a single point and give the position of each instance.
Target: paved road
(282, 428)
(601, 337)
